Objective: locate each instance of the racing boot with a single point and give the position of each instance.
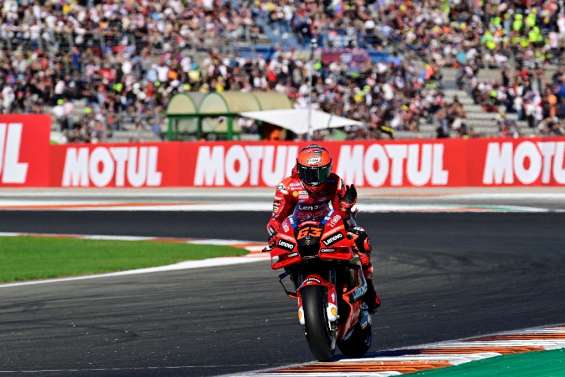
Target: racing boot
(371, 298)
(359, 235)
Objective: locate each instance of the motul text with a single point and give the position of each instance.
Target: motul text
(399, 164)
(236, 165)
(526, 163)
(124, 166)
(12, 170)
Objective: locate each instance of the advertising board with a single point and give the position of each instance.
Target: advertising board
(28, 160)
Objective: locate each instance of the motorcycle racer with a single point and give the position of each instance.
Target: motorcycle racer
(311, 186)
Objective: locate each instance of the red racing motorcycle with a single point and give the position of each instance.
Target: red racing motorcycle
(319, 257)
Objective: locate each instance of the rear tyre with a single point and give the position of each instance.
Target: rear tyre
(318, 332)
(358, 343)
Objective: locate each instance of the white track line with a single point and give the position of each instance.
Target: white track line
(212, 262)
(43, 202)
(509, 195)
(113, 238)
(202, 263)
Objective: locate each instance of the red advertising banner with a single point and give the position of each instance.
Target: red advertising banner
(430, 163)
(24, 150)
(27, 159)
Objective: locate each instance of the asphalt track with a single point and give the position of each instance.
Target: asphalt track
(442, 276)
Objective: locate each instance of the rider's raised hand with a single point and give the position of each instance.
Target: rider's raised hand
(348, 199)
(350, 194)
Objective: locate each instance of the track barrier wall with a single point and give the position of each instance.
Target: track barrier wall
(28, 160)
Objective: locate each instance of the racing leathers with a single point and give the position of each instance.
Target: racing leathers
(292, 192)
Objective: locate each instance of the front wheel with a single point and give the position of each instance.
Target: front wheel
(318, 334)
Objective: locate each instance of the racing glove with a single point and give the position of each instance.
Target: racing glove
(271, 235)
(359, 235)
(349, 199)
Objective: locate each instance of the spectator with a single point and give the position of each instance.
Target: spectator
(507, 127)
(104, 66)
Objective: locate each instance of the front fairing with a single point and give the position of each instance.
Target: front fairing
(333, 244)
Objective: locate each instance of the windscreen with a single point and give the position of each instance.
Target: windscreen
(310, 212)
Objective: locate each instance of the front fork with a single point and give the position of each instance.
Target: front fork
(314, 279)
(331, 300)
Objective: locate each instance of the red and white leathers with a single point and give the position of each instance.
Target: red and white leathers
(292, 192)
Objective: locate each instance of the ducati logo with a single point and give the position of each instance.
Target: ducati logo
(12, 170)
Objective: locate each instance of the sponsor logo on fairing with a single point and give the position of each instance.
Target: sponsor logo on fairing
(526, 162)
(12, 170)
(359, 292)
(331, 311)
(303, 195)
(314, 207)
(327, 250)
(333, 239)
(334, 220)
(305, 208)
(124, 166)
(296, 186)
(311, 281)
(286, 245)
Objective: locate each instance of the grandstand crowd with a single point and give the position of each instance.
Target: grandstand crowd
(104, 66)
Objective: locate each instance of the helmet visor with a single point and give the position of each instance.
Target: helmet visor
(314, 176)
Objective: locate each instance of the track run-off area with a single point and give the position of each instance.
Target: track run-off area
(442, 276)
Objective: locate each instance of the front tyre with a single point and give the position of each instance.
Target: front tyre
(318, 334)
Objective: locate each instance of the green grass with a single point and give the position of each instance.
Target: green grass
(531, 364)
(30, 258)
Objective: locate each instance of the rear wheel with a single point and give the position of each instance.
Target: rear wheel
(358, 343)
(318, 334)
